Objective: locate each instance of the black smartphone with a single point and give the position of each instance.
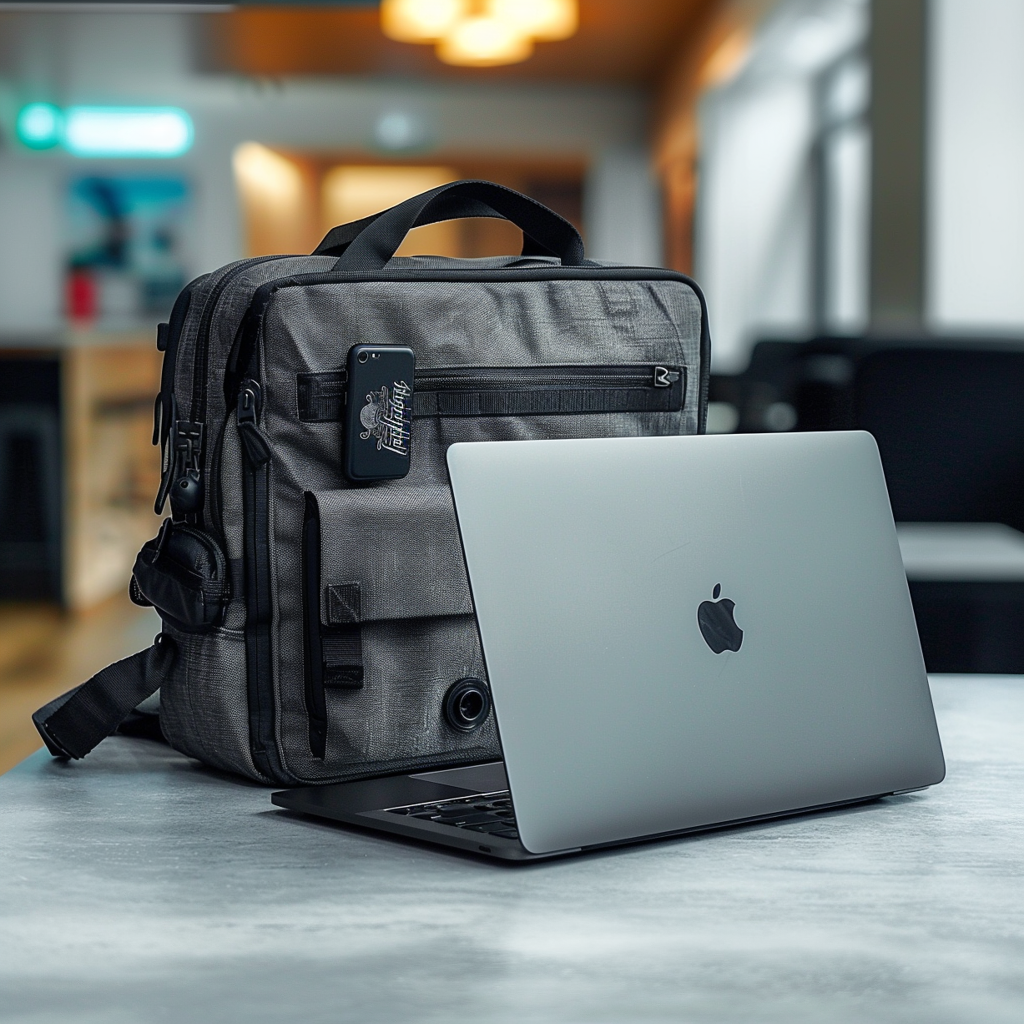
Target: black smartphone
(378, 412)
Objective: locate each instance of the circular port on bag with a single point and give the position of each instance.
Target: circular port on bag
(467, 704)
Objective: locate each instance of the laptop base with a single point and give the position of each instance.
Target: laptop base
(372, 804)
(384, 804)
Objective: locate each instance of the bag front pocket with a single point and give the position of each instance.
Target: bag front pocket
(389, 624)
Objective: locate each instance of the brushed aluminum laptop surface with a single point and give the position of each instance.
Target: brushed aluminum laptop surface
(588, 562)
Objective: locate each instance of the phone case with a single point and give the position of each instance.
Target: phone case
(378, 412)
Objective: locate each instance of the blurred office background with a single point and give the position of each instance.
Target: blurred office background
(841, 176)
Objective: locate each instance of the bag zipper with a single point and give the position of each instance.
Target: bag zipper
(182, 440)
(546, 389)
(167, 338)
(200, 364)
(316, 702)
(259, 605)
(485, 378)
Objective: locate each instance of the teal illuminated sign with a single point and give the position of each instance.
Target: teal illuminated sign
(107, 131)
(40, 125)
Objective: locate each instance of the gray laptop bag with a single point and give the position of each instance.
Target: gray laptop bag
(317, 630)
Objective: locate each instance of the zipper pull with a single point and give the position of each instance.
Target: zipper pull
(664, 377)
(256, 447)
(167, 457)
(187, 491)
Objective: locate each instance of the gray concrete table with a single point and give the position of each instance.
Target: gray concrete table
(135, 886)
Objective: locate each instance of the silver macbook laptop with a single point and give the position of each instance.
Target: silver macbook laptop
(680, 633)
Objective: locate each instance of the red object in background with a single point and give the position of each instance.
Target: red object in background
(81, 297)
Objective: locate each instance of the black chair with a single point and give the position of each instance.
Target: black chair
(949, 422)
(950, 426)
(30, 479)
(802, 385)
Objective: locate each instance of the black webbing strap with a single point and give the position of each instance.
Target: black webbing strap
(77, 720)
(338, 239)
(369, 243)
(546, 231)
(342, 648)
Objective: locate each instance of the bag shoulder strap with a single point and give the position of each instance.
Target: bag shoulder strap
(75, 722)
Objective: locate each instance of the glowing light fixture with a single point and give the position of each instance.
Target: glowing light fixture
(421, 21)
(276, 178)
(39, 125)
(484, 42)
(127, 131)
(276, 201)
(541, 19)
(480, 33)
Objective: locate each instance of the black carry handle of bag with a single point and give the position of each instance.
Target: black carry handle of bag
(369, 243)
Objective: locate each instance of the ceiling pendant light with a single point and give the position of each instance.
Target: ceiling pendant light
(421, 21)
(480, 33)
(484, 41)
(547, 20)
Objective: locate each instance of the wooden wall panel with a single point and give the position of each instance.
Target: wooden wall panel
(112, 469)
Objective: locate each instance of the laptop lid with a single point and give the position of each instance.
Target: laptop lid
(682, 631)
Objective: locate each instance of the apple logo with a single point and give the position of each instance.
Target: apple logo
(717, 625)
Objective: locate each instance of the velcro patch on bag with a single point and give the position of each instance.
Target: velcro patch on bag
(343, 601)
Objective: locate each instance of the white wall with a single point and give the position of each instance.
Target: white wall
(753, 246)
(975, 240)
(30, 244)
(846, 173)
(754, 242)
(622, 208)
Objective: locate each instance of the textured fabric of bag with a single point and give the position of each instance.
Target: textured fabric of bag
(391, 563)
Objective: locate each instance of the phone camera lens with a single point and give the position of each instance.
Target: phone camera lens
(363, 357)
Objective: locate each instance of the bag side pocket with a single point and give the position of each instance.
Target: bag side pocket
(182, 572)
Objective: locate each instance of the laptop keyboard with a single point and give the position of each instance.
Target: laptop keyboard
(490, 813)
